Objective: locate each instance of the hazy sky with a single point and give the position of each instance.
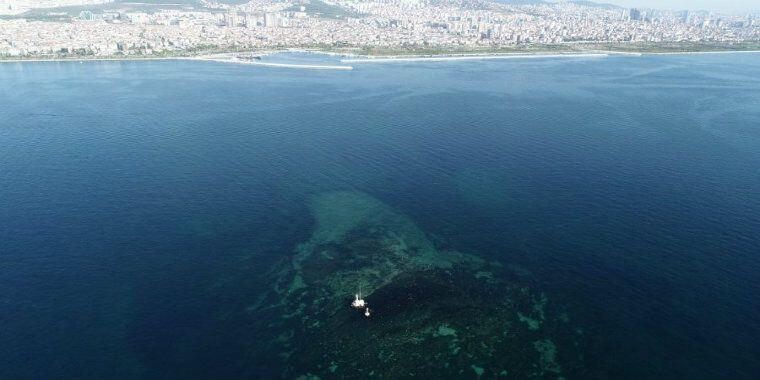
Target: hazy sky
(725, 5)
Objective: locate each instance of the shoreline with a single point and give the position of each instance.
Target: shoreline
(706, 52)
(146, 58)
(358, 58)
(470, 57)
(275, 64)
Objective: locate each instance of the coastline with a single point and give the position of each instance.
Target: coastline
(364, 58)
(707, 52)
(83, 59)
(274, 64)
(474, 57)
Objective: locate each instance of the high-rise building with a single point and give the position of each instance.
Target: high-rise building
(250, 20)
(86, 16)
(634, 14)
(231, 19)
(270, 20)
(683, 16)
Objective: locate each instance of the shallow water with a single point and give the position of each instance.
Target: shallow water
(147, 208)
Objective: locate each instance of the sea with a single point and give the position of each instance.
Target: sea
(151, 211)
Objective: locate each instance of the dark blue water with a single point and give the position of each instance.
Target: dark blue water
(141, 203)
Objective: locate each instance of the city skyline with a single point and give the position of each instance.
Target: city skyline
(377, 28)
(741, 6)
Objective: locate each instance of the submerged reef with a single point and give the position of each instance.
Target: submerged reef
(435, 313)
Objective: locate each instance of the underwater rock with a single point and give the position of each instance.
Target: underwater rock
(434, 312)
(445, 330)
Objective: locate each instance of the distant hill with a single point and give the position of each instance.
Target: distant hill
(322, 9)
(586, 3)
(63, 13)
(597, 5)
(179, 2)
(521, 2)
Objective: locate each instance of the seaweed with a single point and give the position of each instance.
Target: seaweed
(436, 313)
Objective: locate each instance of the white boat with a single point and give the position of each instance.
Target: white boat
(358, 302)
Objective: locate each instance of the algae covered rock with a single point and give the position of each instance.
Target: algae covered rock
(435, 313)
